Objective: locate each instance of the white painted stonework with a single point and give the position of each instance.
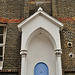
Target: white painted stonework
(41, 50)
(41, 43)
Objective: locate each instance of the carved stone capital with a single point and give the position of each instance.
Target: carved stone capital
(58, 51)
(23, 52)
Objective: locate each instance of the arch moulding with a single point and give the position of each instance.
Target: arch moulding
(39, 30)
(40, 20)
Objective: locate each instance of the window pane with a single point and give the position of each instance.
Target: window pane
(1, 58)
(1, 51)
(1, 29)
(1, 38)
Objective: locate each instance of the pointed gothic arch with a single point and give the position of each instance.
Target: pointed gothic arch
(38, 31)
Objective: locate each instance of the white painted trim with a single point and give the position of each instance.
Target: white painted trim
(23, 52)
(1, 63)
(40, 22)
(2, 45)
(37, 31)
(23, 65)
(0, 68)
(58, 53)
(40, 9)
(4, 25)
(4, 40)
(59, 24)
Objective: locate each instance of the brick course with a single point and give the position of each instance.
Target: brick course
(66, 9)
(12, 50)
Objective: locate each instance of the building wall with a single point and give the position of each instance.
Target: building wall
(63, 10)
(12, 58)
(12, 9)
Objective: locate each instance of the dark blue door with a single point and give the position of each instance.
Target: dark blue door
(41, 69)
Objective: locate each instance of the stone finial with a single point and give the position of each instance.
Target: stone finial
(40, 9)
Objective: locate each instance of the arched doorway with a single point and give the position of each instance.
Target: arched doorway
(41, 69)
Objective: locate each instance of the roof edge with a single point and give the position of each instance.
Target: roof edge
(40, 10)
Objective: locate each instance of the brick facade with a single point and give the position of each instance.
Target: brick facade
(66, 9)
(13, 9)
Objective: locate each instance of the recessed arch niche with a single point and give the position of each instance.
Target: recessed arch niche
(41, 49)
(42, 31)
(40, 42)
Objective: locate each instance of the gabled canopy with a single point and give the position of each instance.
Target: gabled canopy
(40, 22)
(44, 14)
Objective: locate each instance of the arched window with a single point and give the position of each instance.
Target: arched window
(41, 69)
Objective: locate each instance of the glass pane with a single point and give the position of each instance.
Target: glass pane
(1, 51)
(1, 38)
(1, 58)
(1, 29)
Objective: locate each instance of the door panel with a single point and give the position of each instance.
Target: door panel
(41, 69)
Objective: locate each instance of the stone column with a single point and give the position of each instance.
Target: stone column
(58, 62)
(23, 61)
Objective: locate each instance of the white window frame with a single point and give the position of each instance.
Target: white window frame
(3, 44)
